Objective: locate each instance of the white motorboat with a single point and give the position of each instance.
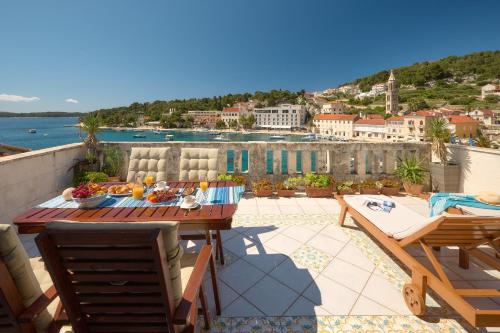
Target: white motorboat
(220, 137)
(32, 130)
(139, 136)
(277, 137)
(310, 137)
(169, 137)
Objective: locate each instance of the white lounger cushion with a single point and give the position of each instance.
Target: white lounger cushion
(480, 211)
(398, 224)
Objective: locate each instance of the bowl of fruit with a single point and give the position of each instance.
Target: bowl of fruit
(89, 195)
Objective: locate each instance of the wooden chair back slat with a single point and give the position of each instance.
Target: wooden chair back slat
(463, 231)
(110, 281)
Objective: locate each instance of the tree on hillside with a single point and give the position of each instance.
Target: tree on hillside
(247, 122)
(415, 104)
(233, 124)
(220, 124)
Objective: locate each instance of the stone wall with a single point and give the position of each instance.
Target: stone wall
(30, 178)
(345, 161)
(480, 168)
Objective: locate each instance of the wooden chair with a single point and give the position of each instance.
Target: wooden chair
(197, 164)
(126, 277)
(403, 227)
(24, 306)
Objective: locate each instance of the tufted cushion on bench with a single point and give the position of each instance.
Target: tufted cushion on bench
(198, 164)
(148, 162)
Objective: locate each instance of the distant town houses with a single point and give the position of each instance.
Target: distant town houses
(336, 107)
(205, 118)
(231, 114)
(394, 129)
(369, 129)
(284, 116)
(336, 125)
(490, 90)
(463, 126)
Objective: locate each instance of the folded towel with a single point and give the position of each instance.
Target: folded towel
(439, 202)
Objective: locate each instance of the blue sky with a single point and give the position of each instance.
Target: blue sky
(104, 53)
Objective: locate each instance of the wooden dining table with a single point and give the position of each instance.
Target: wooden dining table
(207, 218)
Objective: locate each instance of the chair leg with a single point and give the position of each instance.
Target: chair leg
(215, 286)
(219, 249)
(343, 213)
(204, 307)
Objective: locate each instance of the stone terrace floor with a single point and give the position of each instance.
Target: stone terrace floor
(291, 268)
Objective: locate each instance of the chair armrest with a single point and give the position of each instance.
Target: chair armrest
(40, 304)
(193, 286)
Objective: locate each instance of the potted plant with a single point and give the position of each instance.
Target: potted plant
(262, 188)
(113, 162)
(318, 186)
(288, 188)
(412, 174)
(445, 176)
(368, 186)
(239, 180)
(91, 125)
(346, 187)
(389, 186)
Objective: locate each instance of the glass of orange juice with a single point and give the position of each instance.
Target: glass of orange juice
(149, 180)
(203, 188)
(138, 191)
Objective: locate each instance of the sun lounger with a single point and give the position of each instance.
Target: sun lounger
(403, 227)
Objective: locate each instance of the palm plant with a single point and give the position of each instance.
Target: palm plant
(90, 125)
(411, 170)
(483, 141)
(439, 134)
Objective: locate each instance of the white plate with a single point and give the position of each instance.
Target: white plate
(193, 206)
(120, 195)
(90, 202)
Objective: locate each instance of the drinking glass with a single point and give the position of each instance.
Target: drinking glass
(149, 180)
(203, 188)
(138, 191)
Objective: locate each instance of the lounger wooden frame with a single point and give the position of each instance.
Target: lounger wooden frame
(14, 316)
(467, 232)
(119, 281)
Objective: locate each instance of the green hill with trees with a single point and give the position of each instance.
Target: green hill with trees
(480, 67)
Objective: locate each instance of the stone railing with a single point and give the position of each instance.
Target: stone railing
(30, 178)
(278, 160)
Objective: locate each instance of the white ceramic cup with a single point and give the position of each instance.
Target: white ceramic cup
(161, 185)
(189, 200)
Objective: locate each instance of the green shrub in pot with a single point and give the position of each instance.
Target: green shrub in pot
(412, 174)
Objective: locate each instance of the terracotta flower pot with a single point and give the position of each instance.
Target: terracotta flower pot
(346, 192)
(369, 190)
(263, 193)
(413, 189)
(319, 192)
(389, 191)
(286, 193)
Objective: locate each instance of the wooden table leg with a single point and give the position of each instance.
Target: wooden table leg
(215, 285)
(220, 248)
(463, 258)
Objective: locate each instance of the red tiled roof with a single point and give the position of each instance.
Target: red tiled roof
(395, 118)
(422, 113)
(350, 117)
(375, 116)
(231, 110)
(370, 122)
(461, 119)
(487, 112)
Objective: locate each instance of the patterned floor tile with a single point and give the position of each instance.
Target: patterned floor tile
(311, 258)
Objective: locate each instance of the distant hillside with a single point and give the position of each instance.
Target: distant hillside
(479, 67)
(41, 114)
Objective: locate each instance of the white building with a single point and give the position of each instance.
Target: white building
(333, 108)
(349, 89)
(369, 129)
(379, 89)
(394, 128)
(338, 125)
(230, 114)
(484, 116)
(284, 116)
(490, 89)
